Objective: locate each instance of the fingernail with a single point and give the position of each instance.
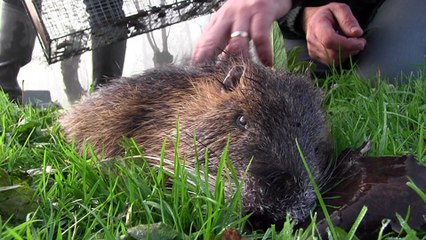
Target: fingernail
(356, 30)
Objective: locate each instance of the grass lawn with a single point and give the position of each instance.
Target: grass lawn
(75, 197)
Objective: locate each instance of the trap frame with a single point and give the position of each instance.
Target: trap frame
(68, 28)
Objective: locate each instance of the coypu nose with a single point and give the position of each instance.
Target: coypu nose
(270, 200)
(259, 221)
(262, 220)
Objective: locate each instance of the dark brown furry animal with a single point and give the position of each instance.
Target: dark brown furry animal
(262, 111)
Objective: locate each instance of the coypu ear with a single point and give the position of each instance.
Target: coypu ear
(233, 78)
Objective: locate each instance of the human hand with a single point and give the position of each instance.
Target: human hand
(332, 33)
(252, 18)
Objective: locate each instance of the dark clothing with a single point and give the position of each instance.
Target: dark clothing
(107, 60)
(394, 29)
(17, 38)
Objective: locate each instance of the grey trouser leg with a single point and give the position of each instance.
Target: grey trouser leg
(108, 62)
(396, 41)
(17, 39)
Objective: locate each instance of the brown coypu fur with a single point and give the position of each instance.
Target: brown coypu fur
(262, 110)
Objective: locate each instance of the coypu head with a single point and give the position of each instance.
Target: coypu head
(264, 111)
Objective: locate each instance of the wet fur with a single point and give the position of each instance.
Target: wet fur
(263, 111)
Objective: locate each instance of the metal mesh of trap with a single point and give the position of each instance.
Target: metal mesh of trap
(70, 27)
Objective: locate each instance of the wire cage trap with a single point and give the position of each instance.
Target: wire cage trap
(68, 28)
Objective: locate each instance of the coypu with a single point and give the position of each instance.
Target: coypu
(261, 110)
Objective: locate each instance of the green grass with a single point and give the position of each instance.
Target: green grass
(393, 117)
(76, 197)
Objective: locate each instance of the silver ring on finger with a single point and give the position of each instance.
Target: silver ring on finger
(239, 34)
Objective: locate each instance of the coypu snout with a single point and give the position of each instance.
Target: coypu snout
(271, 199)
(262, 111)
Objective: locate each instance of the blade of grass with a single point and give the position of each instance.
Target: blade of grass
(351, 233)
(317, 192)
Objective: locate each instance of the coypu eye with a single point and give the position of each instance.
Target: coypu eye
(241, 122)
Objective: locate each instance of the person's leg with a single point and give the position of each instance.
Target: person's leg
(108, 60)
(17, 39)
(396, 40)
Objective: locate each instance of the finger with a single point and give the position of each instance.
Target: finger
(354, 53)
(238, 45)
(260, 34)
(212, 41)
(346, 20)
(320, 54)
(330, 57)
(330, 39)
(325, 55)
